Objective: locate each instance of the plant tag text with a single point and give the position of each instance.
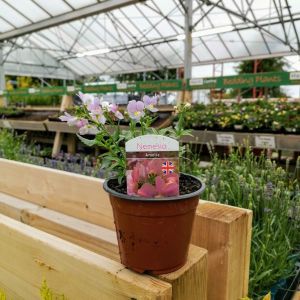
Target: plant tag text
(225, 139)
(262, 141)
(152, 166)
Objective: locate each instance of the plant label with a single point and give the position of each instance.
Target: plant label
(264, 141)
(152, 169)
(6, 124)
(295, 76)
(225, 139)
(196, 81)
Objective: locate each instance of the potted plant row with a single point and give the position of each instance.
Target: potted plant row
(260, 116)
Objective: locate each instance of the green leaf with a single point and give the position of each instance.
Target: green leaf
(87, 142)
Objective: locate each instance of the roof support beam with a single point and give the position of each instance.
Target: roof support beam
(94, 9)
(188, 17)
(255, 25)
(2, 74)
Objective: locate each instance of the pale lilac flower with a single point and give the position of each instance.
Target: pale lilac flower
(84, 130)
(85, 98)
(71, 120)
(105, 105)
(82, 124)
(136, 109)
(94, 104)
(150, 102)
(114, 109)
(98, 116)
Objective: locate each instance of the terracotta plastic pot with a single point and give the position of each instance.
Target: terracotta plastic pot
(154, 234)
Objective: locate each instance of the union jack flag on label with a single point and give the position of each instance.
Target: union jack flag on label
(167, 167)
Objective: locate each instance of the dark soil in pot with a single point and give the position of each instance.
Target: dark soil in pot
(154, 234)
(187, 184)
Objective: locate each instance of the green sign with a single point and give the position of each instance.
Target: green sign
(52, 90)
(238, 81)
(103, 88)
(18, 92)
(159, 85)
(246, 81)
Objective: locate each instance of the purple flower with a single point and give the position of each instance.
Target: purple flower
(114, 109)
(71, 120)
(85, 98)
(94, 104)
(136, 109)
(150, 102)
(98, 116)
(82, 124)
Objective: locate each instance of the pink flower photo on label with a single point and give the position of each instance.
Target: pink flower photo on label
(152, 178)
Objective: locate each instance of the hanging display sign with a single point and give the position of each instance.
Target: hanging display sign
(159, 85)
(152, 166)
(238, 81)
(270, 79)
(103, 88)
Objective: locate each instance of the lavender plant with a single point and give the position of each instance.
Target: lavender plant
(273, 194)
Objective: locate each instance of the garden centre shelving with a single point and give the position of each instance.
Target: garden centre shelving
(290, 142)
(257, 140)
(41, 201)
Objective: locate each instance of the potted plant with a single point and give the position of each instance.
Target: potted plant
(153, 221)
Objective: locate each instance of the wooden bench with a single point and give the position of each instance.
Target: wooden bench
(70, 215)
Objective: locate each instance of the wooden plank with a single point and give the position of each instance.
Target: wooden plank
(28, 255)
(72, 194)
(27, 125)
(60, 126)
(189, 282)
(297, 295)
(226, 233)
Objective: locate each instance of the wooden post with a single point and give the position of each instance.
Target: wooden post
(225, 232)
(2, 101)
(58, 139)
(71, 143)
(297, 295)
(67, 101)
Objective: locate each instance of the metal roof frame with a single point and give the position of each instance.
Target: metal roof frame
(143, 35)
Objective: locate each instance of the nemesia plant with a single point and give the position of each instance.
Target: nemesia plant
(104, 120)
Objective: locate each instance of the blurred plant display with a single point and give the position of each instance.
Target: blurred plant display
(35, 100)
(14, 147)
(10, 112)
(258, 116)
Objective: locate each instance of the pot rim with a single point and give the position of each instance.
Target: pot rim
(135, 198)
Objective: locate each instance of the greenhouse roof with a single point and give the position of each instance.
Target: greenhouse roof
(71, 38)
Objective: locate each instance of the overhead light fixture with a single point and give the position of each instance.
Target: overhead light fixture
(212, 31)
(93, 52)
(206, 32)
(181, 37)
